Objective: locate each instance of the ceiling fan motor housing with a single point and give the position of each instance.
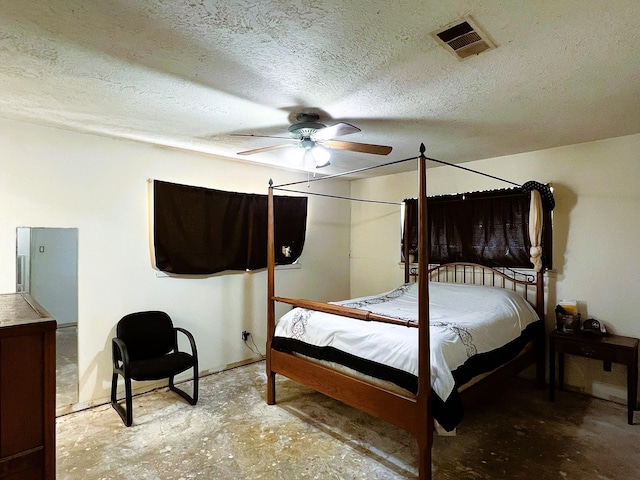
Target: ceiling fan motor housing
(307, 126)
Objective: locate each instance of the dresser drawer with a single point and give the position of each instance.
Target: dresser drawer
(26, 466)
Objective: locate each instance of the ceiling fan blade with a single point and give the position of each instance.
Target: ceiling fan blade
(358, 147)
(266, 149)
(334, 131)
(257, 136)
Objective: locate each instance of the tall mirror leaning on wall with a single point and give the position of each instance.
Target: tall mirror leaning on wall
(47, 269)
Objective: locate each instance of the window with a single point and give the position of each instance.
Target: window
(483, 227)
(203, 231)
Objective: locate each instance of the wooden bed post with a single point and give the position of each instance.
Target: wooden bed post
(541, 337)
(425, 427)
(271, 308)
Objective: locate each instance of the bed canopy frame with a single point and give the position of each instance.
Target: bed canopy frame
(412, 413)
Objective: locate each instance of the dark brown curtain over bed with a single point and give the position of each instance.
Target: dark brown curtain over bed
(204, 231)
(488, 227)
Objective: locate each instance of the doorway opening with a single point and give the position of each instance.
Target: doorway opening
(47, 269)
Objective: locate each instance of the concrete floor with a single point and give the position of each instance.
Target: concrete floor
(233, 434)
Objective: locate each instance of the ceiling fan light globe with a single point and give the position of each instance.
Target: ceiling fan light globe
(321, 156)
(308, 162)
(295, 156)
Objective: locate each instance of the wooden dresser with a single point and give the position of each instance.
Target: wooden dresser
(27, 389)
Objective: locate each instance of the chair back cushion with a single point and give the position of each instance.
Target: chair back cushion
(147, 334)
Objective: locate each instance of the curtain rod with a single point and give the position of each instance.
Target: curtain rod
(472, 171)
(343, 173)
(339, 197)
(422, 149)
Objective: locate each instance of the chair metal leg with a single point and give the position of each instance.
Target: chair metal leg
(191, 399)
(114, 387)
(195, 383)
(125, 414)
(129, 401)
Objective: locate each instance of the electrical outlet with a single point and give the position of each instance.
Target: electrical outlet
(245, 335)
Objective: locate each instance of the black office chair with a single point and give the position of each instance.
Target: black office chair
(146, 348)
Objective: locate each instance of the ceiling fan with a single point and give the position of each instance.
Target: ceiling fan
(311, 138)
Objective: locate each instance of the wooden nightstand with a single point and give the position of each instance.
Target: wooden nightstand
(608, 348)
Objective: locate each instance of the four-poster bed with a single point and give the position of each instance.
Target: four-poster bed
(410, 409)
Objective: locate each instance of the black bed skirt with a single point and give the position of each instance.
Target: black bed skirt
(447, 412)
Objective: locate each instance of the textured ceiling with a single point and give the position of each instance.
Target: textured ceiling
(189, 73)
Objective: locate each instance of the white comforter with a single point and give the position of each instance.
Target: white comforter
(464, 319)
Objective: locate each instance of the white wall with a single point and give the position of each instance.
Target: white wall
(596, 231)
(376, 232)
(57, 178)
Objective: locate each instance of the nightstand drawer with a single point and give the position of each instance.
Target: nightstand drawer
(599, 351)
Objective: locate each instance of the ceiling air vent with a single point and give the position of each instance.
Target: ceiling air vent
(463, 38)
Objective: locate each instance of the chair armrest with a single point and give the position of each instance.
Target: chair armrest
(194, 350)
(119, 353)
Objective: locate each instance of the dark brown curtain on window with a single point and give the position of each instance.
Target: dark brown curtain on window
(483, 227)
(411, 228)
(204, 231)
